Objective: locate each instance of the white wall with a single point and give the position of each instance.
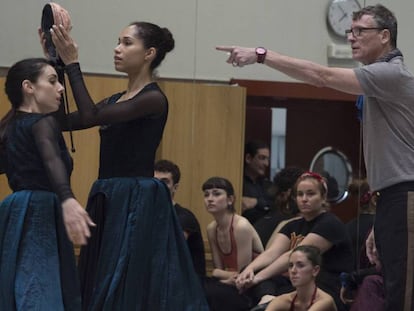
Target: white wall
(294, 27)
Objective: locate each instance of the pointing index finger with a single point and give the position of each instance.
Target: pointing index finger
(225, 48)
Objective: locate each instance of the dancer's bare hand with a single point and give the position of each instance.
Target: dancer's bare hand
(66, 47)
(76, 221)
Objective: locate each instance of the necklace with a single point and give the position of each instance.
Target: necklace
(292, 304)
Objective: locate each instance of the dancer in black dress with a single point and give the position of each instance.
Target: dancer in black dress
(37, 262)
(137, 258)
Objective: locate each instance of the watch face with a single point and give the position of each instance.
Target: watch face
(340, 15)
(260, 50)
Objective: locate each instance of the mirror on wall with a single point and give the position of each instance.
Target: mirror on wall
(336, 168)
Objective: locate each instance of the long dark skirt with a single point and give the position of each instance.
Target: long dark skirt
(137, 258)
(37, 263)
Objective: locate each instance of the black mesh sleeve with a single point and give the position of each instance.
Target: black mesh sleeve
(151, 103)
(46, 132)
(2, 161)
(2, 171)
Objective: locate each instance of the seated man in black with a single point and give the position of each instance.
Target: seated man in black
(257, 197)
(169, 173)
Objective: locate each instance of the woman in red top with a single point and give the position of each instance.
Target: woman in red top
(304, 266)
(233, 240)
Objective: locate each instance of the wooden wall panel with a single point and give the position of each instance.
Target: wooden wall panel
(204, 135)
(177, 141)
(219, 140)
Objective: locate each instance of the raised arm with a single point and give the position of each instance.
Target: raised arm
(152, 103)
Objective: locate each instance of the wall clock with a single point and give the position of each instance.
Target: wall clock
(340, 15)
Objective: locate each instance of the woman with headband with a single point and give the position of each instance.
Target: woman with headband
(266, 274)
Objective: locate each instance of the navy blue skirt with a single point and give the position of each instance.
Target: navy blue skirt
(137, 258)
(37, 262)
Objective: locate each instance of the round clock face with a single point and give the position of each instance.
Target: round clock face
(340, 15)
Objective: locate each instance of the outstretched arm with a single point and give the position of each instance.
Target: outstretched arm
(342, 79)
(152, 103)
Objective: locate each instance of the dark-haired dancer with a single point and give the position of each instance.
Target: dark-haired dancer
(37, 262)
(233, 242)
(304, 267)
(137, 258)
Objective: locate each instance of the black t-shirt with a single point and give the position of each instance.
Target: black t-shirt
(335, 260)
(339, 257)
(195, 242)
(266, 225)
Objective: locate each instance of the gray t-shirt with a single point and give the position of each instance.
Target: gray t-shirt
(388, 122)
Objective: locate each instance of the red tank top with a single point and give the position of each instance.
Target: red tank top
(229, 260)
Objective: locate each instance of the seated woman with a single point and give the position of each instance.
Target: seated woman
(233, 241)
(317, 227)
(304, 266)
(363, 289)
(360, 226)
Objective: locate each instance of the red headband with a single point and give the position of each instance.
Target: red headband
(317, 177)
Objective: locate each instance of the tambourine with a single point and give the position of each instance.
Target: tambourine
(53, 14)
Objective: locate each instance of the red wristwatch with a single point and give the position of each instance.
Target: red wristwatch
(261, 54)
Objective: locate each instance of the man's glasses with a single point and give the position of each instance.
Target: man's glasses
(357, 31)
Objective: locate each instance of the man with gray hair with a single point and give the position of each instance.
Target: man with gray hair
(388, 133)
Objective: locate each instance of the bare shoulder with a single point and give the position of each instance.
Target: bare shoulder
(281, 303)
(323, 302)
(211, 227)
(242, 225)
(240, 221)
